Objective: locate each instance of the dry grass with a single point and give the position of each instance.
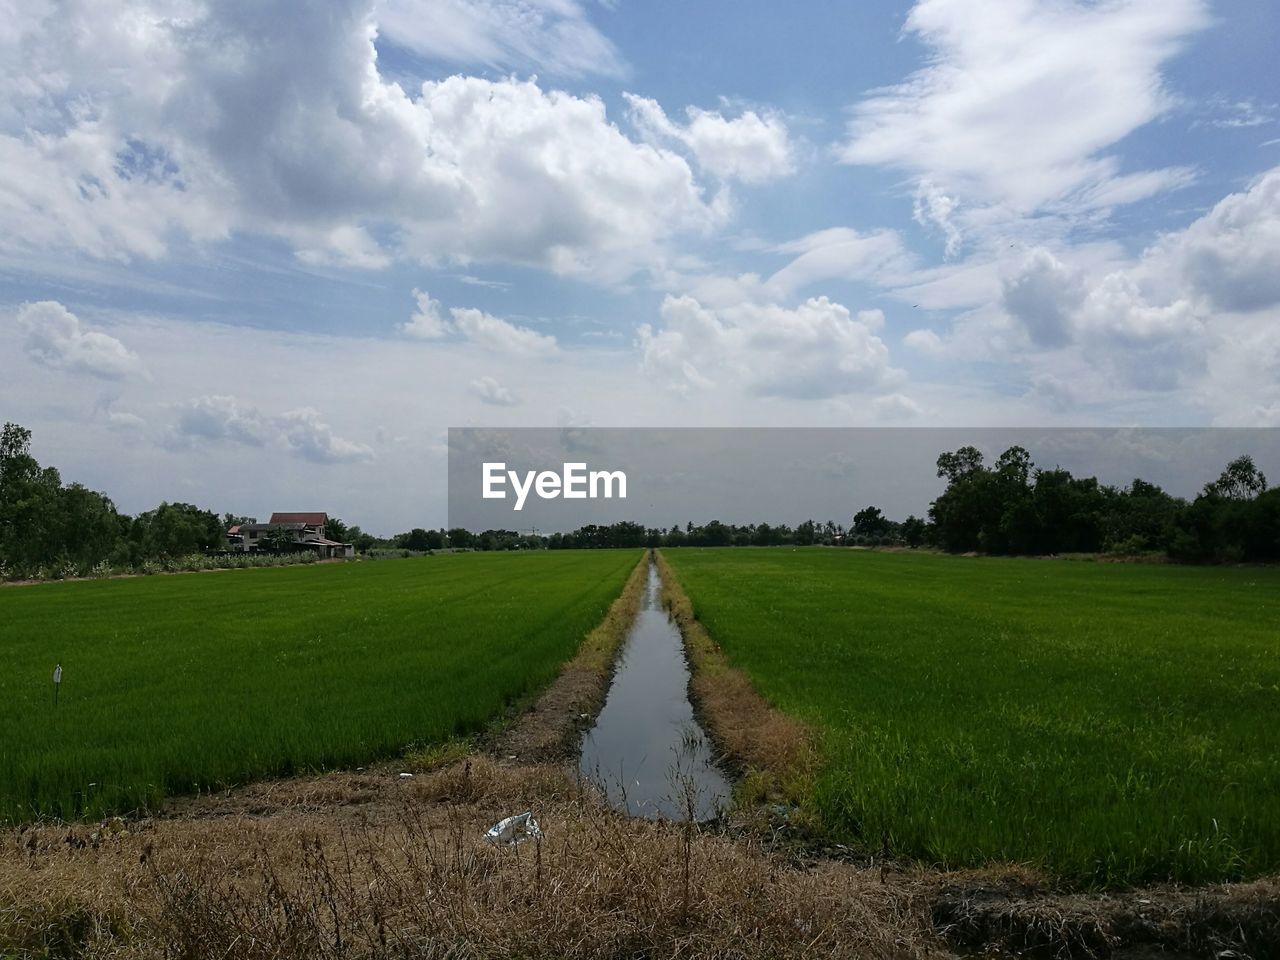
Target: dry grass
(373, 866)
(979, 909)
(552, 727)
(411, 877)
(775, 752)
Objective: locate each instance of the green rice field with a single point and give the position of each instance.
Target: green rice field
(1112, 723)
(177, 683)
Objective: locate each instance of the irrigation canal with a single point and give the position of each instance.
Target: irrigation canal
(647, 749)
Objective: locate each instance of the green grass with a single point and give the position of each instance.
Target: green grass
(176, 683)
(1115, 724)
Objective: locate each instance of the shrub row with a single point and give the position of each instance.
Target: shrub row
(66, 569)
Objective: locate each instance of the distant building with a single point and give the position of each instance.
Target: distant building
(305, 530)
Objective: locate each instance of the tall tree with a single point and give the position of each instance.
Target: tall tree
(1242, 480)
(871, 523)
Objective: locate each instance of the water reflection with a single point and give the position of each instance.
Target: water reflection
(647, 749)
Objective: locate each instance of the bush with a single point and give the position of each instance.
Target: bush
(1129, 546)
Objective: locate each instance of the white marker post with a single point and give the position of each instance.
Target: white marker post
(57, 682)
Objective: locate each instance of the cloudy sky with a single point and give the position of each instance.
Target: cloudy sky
(260, 255)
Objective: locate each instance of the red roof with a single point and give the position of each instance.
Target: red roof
(310, 519)
(233, 530)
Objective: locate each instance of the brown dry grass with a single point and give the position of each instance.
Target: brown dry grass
(373, 866)
(552, 727)
(977, 910)
(775, 752)
(411, 877)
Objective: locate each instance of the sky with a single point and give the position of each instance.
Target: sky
(260, 255)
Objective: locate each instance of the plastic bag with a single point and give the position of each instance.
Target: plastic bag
(514, 829)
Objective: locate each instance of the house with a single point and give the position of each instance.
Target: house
(305, 531)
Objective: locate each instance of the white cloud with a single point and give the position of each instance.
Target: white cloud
(551, 35)
(473, 281)
(219, 418)
(345, 246)
(303, 433)
(1017, 106)
(934, 208)
(1154, 346)
(490, 391)
(1053, 393)
(1176, 317)
(839, 253)
(896, 406)
(164, 119)
(1043, 296)
(925, 341)
(56, 338)
(224, 419)
(815, 350)
(1237, 114)
(1230, 255)
(752, 148)
(126, 422)
(501, 335)
(484, 329)
(427, 323)
(1268, 416)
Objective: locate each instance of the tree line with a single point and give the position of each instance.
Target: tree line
(51, 529)
(1014, 507)
(48, 528)
(1011, 507)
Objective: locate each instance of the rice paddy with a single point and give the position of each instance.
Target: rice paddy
(174, 684)
(1114, 724)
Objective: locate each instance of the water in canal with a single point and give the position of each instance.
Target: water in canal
(646, 748)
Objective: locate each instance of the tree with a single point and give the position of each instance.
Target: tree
(363, 542)
(415, 539)
(15, 443)
(870, 523)
(913, 529)
(962, 463)
(277, 540)
(461, 538)
(1240, 481)
(1140, 517)
(90, 525)
(335, 529)
(1013, 466)
(175, 529)
(40, 521)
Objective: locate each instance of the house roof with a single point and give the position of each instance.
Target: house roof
(310, 519)
(233, 530)
(260, 527)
